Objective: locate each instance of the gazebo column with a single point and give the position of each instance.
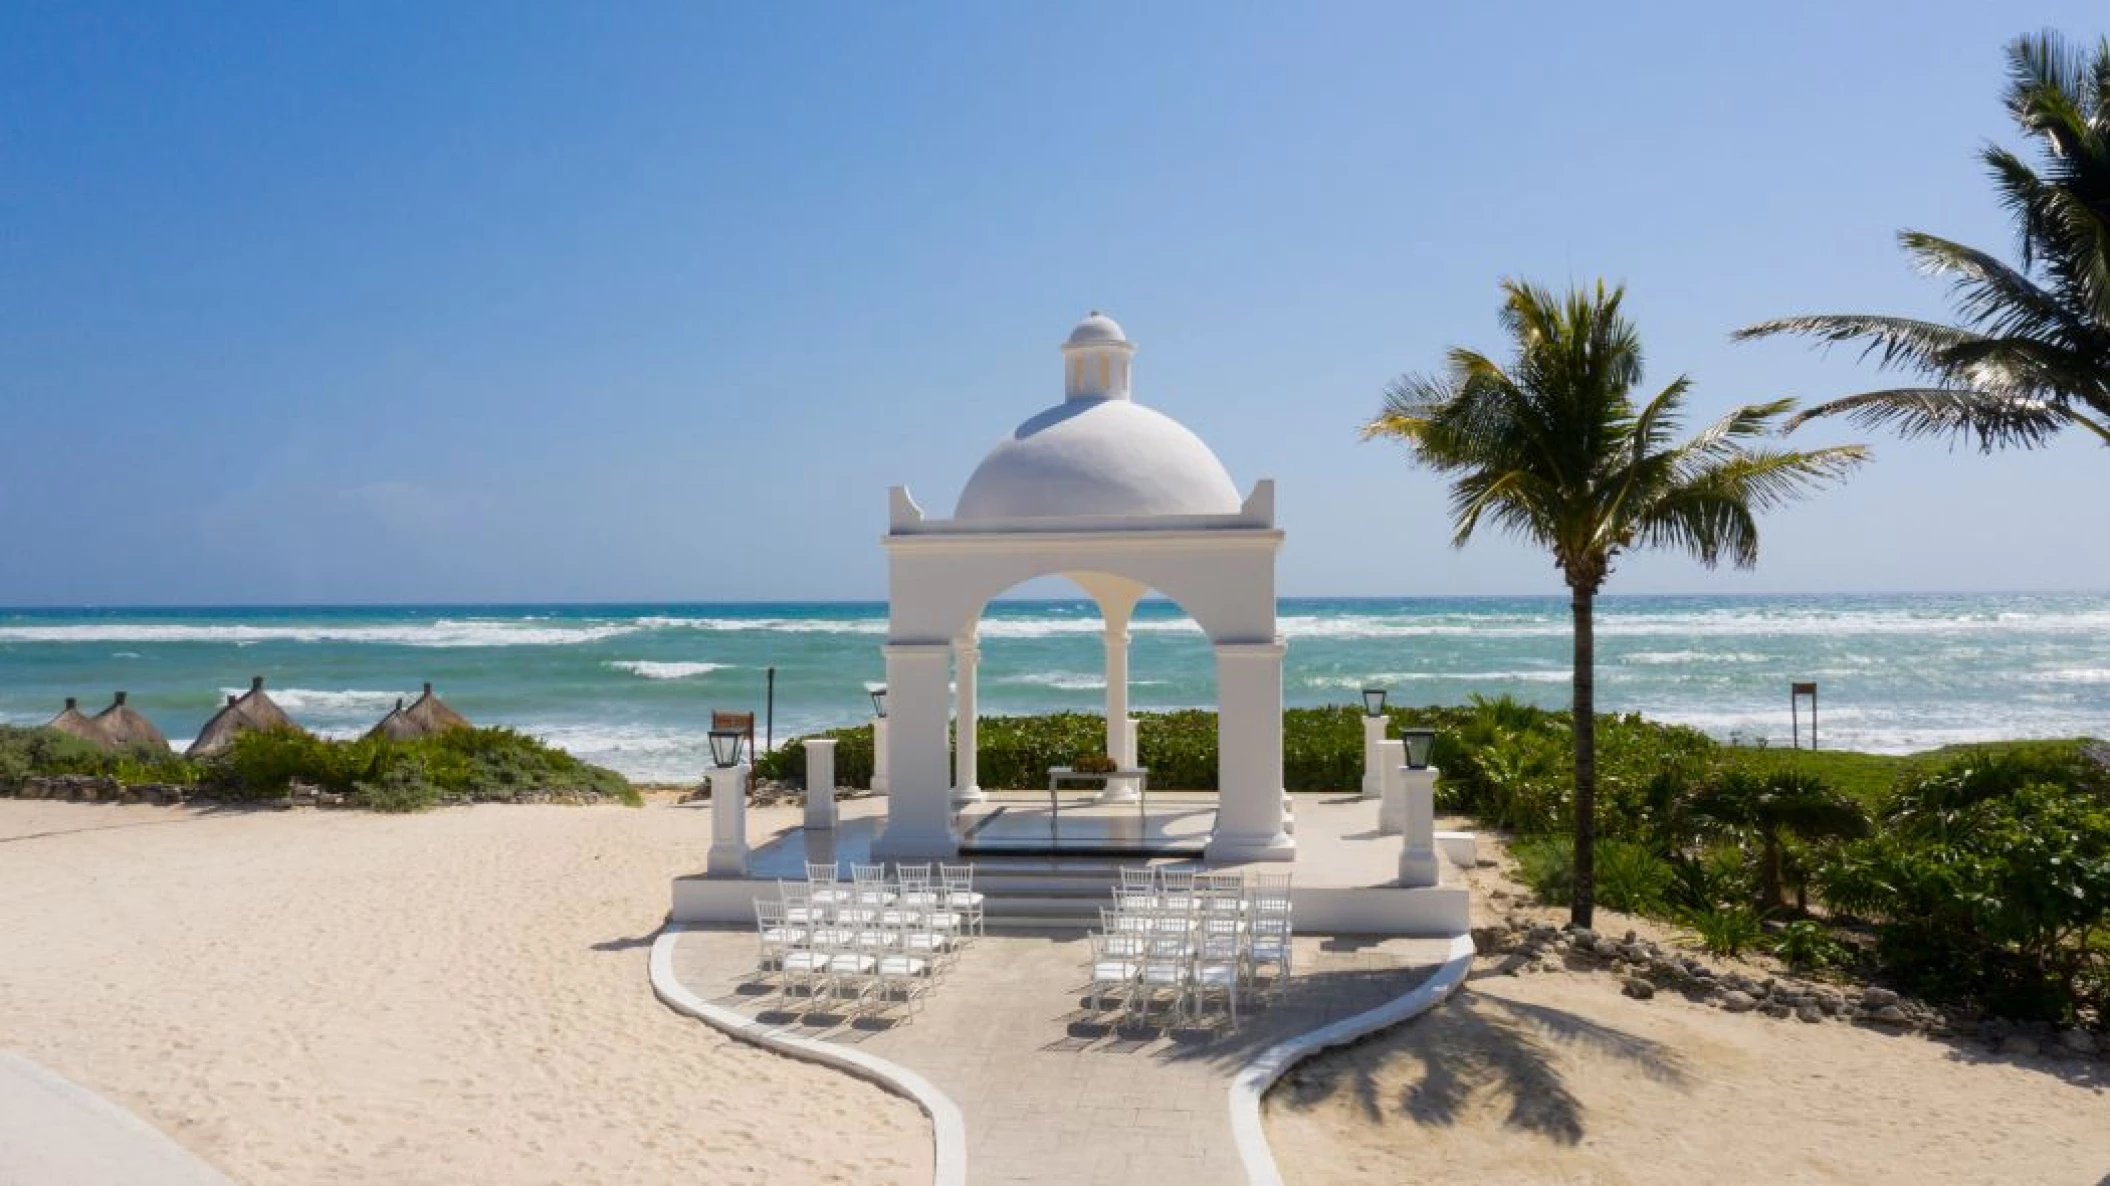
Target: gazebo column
(967, 787)
(1249, 814)
(1119, 746)
(919, 804)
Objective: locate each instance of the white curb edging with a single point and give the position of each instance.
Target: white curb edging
(947, 1128)
(1253, 1080)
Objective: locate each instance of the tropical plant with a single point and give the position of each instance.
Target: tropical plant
(1553, 449)
(2030, 355)
(1808, 945)
(1990, 882)
(1726, 930)
(1630, 876)
(1769, 810)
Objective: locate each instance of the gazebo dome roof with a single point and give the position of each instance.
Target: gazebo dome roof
(1098, 453)
(1096, 327)
(1101, 457)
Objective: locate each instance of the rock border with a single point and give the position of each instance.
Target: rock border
(1644, 967)
(1253, 1080)
(948, 1128)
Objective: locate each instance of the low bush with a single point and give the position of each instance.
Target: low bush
(1726, 930)
(1989, 882)
(460, 765)
(1630, 876)
(28, 752)
(1808, 946)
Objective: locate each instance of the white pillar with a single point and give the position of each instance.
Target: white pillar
(1131, 756)
(1392, 813)
(1249, 813)
(1373, 768)
(728, 857)
(1417, 855)
(879, 756)
(1118, 745)
(967, 786)
(1117, 722)
(919, 775)
(820, 783)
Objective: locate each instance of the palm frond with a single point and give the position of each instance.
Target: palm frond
(1996, 420)
(1894, 341)
(1995, 299)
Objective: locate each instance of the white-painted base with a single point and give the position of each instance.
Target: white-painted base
(1420, 869)
(820, 811)
(727, 860)
(1118, 790)
(1459, 848)
(963, 796)
(1381, 910)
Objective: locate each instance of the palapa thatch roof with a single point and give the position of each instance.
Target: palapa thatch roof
(423, 718)
(74, 723)
(252, 710)
(124, 727)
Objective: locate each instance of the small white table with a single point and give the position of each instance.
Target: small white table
(1058, 775)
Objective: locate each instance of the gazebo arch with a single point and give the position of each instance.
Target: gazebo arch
(1122, 500)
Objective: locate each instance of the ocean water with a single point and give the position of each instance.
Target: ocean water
(632, 686)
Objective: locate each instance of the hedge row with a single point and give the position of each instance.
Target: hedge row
(463, 765)
(1322, 748)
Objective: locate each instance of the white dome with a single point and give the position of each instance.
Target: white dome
(1098, 457)
(1096, 327)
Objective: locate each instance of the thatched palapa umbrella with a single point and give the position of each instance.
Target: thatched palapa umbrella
(72, 722)
(251, 710)
(124, 727)
(426, 716)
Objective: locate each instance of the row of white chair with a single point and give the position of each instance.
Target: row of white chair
(852, 951)
(1195, 942)
(926, 885)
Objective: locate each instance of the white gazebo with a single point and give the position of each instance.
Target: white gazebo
(1122, 500)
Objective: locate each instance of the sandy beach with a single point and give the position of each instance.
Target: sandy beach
(1557, 1079)
(459, 996)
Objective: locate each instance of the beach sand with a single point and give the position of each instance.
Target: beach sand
(452, 997)
(1557, 1078)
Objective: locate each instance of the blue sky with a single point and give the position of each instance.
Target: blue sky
(599, 302)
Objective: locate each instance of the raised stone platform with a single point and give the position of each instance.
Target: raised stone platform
(1345, 874)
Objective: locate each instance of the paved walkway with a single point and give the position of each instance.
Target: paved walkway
(1051, 1092)
(54, 1132)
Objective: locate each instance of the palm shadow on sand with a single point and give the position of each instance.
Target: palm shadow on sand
(1475, 1047)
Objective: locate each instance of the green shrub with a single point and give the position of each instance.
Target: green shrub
(1726, 930)
(1990, 883)
(400, 785)
(496, 765)
(1630, 877)
(27, 752)
(1808, 946)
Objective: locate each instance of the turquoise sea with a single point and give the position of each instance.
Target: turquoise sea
(632, 686)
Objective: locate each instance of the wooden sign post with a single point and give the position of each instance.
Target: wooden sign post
(1796, 692)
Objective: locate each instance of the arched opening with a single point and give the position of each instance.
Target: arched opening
(1058, 680)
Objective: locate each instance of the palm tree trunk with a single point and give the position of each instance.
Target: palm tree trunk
(1582, 907)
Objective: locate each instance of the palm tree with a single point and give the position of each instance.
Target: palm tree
(1552, 449)
(2031, 355)
(1771, 809)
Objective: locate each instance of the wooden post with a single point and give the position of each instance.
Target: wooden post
(1796, 691)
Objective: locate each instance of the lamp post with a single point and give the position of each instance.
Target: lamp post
(1419, 743)
(1374, 722)
(1418, 864)
(728, 776)
(879, 754)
